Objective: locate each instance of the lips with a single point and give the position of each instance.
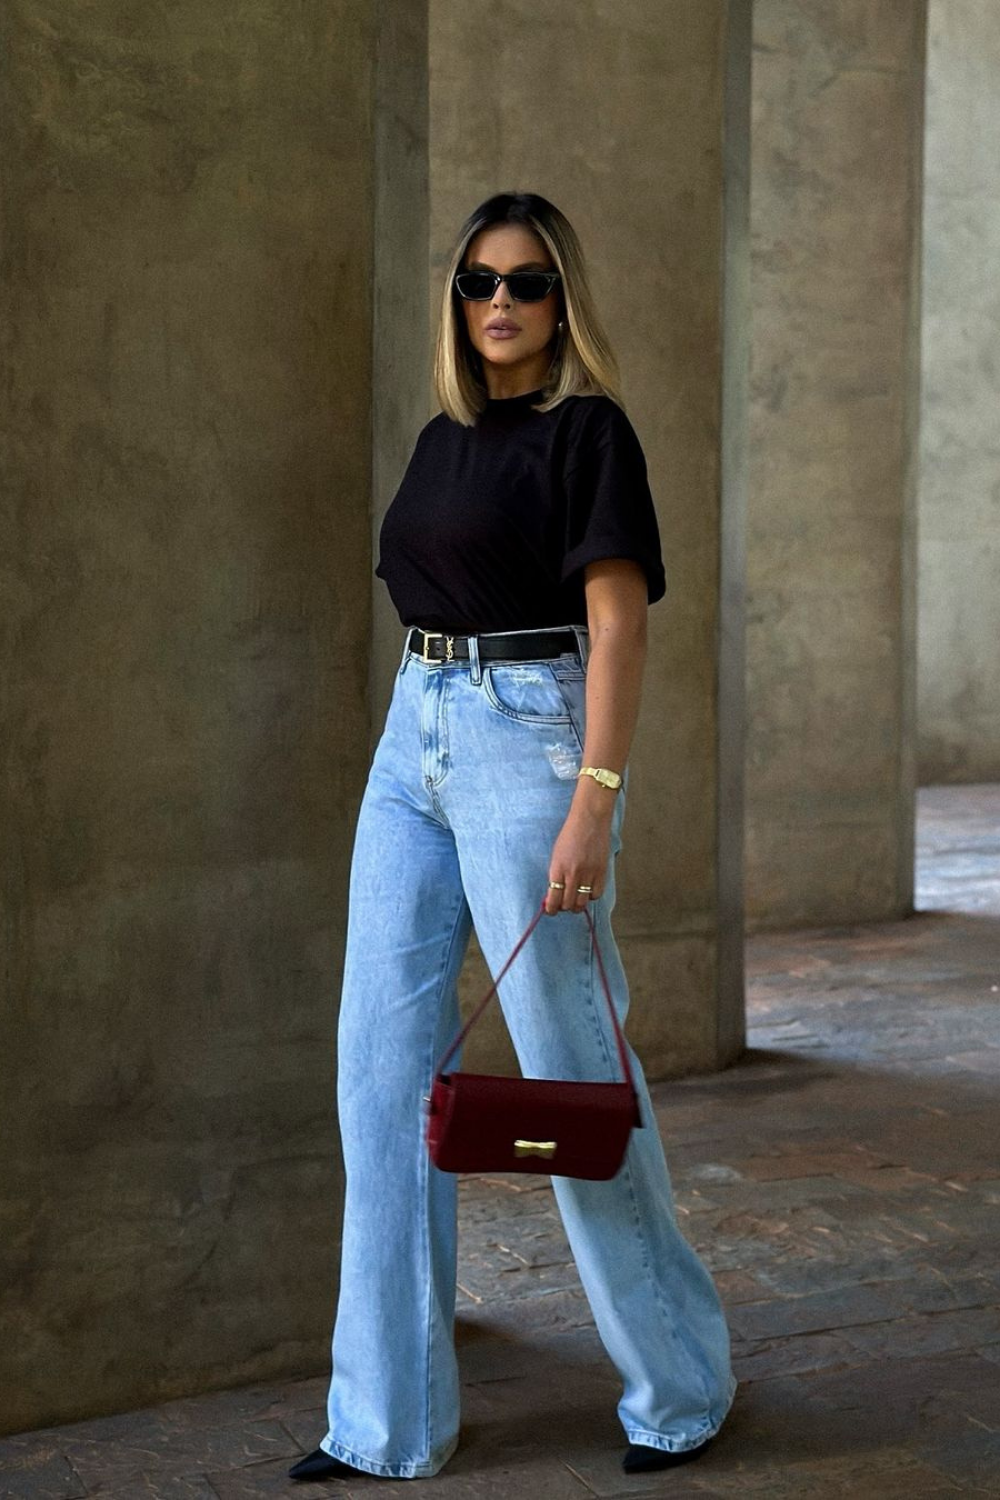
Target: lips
(502, 325)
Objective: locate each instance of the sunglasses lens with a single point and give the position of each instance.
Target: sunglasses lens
(528, 286)
(476, 286)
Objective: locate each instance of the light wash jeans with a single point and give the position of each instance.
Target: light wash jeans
(469, 787)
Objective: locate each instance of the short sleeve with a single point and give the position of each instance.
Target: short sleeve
(609, 508)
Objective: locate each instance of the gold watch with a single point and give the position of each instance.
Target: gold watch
(610, 779)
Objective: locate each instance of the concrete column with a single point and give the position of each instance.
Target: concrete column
(958, 592)
(187, 233)
(633, 118)
(401, 338)
(836, 186)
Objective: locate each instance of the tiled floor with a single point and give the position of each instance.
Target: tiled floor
(843, 1183)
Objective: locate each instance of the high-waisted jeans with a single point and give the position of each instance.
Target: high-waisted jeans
(470, 784)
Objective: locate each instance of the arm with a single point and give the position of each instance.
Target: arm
(617, 605)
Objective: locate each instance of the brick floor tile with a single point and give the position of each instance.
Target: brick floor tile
(600, 1471)
(772, 1422)
(810, 1164)
(563, 1308)
(877, 1474)
(929, 1333)
(37, 1470)
(501, 1276)
(739, 1286)
(306, 1427)
(276, 1402)
(793, 1356)
(261, 1481)
(969, 1455)
(150, 1443)
(818, 1311)
(159, 1487)
(916, 1401)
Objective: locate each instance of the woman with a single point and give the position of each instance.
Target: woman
(522, 550)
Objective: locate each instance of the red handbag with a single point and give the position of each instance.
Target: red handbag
(479, 1122)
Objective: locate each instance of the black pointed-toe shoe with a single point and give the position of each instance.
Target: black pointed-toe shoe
(320, 1465)
(641, 1459)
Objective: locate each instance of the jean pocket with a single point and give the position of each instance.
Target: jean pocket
(527, 691)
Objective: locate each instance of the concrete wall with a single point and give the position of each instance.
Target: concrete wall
(633, 118)
(836, 174)
(186, 243)
(402, 345)
(959, 577)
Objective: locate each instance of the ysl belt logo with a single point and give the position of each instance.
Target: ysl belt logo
(449, 648)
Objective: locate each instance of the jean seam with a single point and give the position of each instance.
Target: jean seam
(647, 1264)
(578, 731)
(595, 1016)
(424, 1175)
(637, 1217)
(633, 1200)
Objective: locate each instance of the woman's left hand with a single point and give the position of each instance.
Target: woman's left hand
(579, 857)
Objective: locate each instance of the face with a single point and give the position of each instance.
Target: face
(519, 350)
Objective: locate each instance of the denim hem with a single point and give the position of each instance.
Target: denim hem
(407, 1469)
(669, 1445)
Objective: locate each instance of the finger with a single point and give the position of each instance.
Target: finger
(555, 895)
(573, 897)
(581, 896)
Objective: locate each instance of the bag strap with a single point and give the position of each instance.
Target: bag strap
(619, 1036)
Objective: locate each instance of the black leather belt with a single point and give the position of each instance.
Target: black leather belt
(533, 645)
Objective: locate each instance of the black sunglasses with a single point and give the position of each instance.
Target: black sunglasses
(524, 286)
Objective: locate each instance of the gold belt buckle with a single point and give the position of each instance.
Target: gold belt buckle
(435, 635)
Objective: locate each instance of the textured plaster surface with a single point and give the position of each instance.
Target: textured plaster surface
(184, 560)
(959, 578)
(619, 113)
(837, 93)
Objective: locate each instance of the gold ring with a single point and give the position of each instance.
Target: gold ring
(585, 890)
(555, 886)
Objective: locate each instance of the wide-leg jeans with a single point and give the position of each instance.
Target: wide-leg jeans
(469, 786)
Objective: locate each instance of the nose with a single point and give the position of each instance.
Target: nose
(501, 297)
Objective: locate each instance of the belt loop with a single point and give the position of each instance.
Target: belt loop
(405, 659)
(582, 643)
(476, 669)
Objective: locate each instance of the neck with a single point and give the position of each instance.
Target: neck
(501, 384)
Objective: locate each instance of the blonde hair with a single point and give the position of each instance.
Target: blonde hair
(583, 362)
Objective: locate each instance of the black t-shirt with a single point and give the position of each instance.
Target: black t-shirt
(492, 525)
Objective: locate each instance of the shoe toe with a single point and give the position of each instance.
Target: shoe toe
(642, 1459)
(319, 1465)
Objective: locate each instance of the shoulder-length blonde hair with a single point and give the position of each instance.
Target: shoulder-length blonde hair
(583, 363)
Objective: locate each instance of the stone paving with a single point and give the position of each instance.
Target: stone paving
(843, 1184)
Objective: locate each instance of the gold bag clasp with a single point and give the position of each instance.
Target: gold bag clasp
(535, 1148)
